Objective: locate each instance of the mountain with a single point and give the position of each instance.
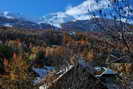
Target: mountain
(80, 17)
(8, 15)
(95, 25)
(121, 10)
(10, 20)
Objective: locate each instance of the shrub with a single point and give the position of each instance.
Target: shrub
(6, 51)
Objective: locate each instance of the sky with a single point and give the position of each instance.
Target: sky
(57, 12)
(36, 8)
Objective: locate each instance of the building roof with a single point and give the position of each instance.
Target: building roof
(104, 71)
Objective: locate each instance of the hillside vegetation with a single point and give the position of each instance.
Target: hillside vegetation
(21, 50)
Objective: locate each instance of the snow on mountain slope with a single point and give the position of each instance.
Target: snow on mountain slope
(10, 15)
(8, 19)
(7, 15)
(118, 9)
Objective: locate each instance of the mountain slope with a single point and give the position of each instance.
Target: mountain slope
(95, 24)
(9, 20)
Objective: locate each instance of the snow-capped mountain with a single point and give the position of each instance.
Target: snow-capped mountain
(80, 15)
(10, 15)
(121, 10)
(8, 19)
(6, 14)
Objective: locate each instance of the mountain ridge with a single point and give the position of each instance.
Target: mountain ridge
(95, 25)
(10, 20)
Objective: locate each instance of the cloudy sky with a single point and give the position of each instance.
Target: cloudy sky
(36, 8)
(86, 9)
(59, 11)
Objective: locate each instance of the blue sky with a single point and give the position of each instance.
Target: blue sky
(59, 11)
(36, 8)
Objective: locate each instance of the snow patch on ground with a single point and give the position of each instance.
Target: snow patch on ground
(42, 72)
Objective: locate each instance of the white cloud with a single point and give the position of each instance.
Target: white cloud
(78, 12)
(88, 5)
(81, 12)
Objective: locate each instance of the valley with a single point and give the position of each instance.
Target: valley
(66, 44)
(38, 57)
